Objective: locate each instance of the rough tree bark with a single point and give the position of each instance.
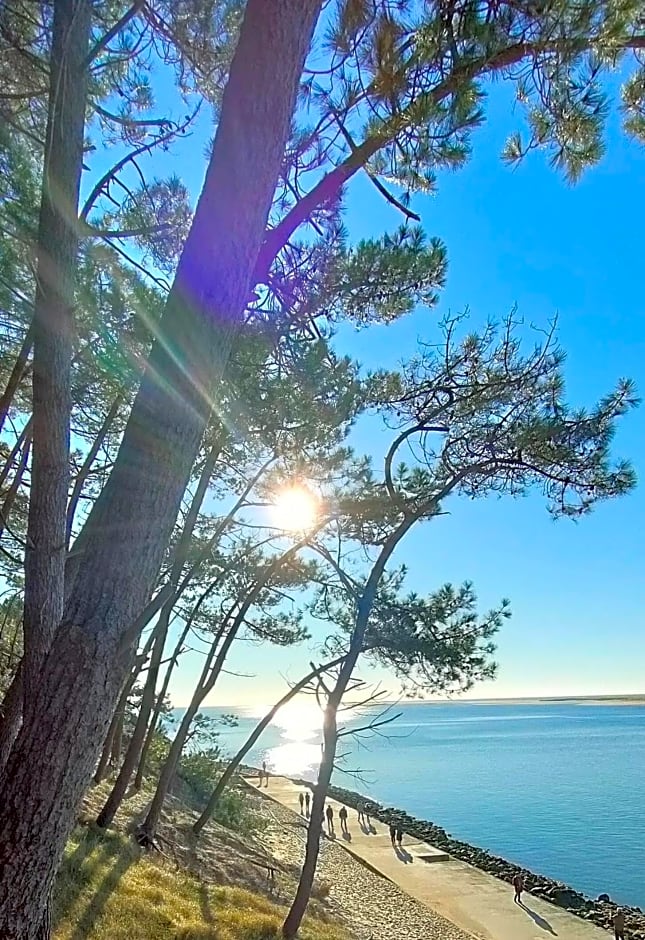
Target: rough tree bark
(53, 327)
(233, 764)
(133, 752)
(56, 750)
(51, 333)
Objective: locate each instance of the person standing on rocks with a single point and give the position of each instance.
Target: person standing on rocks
(342, 815)
(307, 803)
(619, 925)
(518, 884)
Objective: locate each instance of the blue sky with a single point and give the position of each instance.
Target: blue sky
(522, 237)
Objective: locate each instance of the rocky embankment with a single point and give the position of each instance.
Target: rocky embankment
(599, 911)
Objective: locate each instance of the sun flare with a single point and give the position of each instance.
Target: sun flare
(295, 508)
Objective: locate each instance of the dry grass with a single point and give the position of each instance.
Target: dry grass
(108, 890)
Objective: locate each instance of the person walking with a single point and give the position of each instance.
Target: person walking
(361, 814)
(399, 835)
(518, 884)
(393, 834)
(301, 800)
(307, 802)
(264, 775)
(619, 925)
(329, 813)
(342, 815)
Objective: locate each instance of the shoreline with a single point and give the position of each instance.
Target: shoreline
(599, 911)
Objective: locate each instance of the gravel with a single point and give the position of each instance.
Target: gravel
(371, 907)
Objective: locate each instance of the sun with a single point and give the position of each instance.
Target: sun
(295, 508)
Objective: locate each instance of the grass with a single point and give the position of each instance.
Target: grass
(108, 890)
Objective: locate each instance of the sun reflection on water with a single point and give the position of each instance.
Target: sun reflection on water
(299, 725)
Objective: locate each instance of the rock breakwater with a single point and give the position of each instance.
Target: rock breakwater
(599, 911)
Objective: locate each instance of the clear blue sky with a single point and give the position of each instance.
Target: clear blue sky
(520, 237)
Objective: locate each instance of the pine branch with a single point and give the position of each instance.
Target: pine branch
(107, 38)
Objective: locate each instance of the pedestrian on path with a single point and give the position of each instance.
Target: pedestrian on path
(329, 812)
(392, 834)
(342, 815)
(518, 884)
(361, 814)
(307, 803)
(619, 925)
(399, 835)
(301, 800)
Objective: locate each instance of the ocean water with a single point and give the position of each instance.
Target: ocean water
(558, 788)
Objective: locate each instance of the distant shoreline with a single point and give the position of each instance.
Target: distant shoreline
(636, 699)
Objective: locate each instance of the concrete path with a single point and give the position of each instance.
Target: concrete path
(477, 902)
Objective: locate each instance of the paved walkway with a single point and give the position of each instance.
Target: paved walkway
(474, 900)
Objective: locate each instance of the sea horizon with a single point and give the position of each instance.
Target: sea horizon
(552, 785)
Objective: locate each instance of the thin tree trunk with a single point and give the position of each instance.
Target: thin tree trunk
(17, 447)
(56, 750)
(299, 906)
(84, 472)
(115, 731)
(53, 328)
(232, 766)
(174, 755)
(206, 684)
(17, 373)
(104, 759)
(12, 492)
(117, 741)
(330, 730)
(156, 714)
(133, 752)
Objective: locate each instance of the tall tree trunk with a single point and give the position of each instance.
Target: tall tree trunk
(53, 330)
(86, 466)
(299, 906)
(364, 605)
(232, 766)
(133, 752)
(17, 373)
(56, 751)
(156, 714)
(12, 492)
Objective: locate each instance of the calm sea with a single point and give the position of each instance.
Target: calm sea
(556, 788)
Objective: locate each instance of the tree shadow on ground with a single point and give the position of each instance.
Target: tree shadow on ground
(205, 904)
(99, 858)
(538, 919)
